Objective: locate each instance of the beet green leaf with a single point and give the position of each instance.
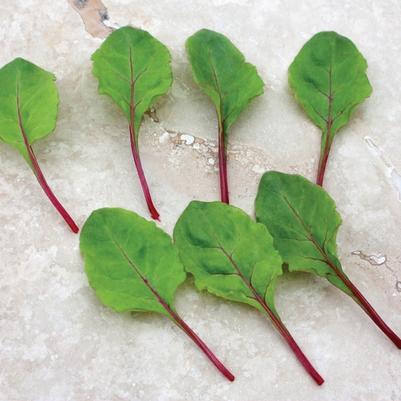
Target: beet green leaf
(303, 220)
(28, 112)
(222, 73)
(328, 79)
(233, 257)
(133, 266)
(133, 68)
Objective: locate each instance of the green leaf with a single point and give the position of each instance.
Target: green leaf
(28, 112)
(303, 220)
(127, 258)
(233, 257)
(228, 253)
(28, 104)
(328, 79)
(133, 266)
(133, 68)
(222, 73)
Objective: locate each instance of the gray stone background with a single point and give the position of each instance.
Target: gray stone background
(57, 343)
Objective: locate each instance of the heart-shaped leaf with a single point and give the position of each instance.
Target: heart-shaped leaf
(133, 68)
(133, 266)
(303, 220)
(328, 79)
(233, 257)
(28, 112)
(222, 73)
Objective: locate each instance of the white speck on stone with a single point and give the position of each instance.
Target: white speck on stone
(164, 138)
(211, 161)
(258, 169)
(188, 139)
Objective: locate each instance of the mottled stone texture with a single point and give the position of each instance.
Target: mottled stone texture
(57, 343)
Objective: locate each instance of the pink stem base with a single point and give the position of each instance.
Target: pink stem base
(145, 188)
(41, 178)
(292, 343)
(323, 163)
(368, 308)
(223, 168)
(42, 181)
(204, 348)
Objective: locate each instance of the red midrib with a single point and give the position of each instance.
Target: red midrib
(175, 316)
(39, 174)
(134, 146)
(356, 294)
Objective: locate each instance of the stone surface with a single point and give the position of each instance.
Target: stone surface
(57, 343)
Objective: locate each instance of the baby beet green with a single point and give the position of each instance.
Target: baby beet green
(233, 257)
(28, 112)
(328, 79)
(133, 68)
(303, 221)
(222, 73)
(133, 266)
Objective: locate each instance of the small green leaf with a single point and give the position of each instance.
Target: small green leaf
(126, 257)
(28, 112)
(28, 104)
(233, 257)
(222, 73)
(328, 79)
(133, 266)
(133, 68)
(303, 220)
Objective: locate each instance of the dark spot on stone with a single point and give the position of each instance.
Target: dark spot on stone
(80, 3)
(104, 15)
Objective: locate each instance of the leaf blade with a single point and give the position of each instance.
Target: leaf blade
(222, 73)
(134, 69)
(303, 221)
(122, 266)
(30, 91)
(328, 78)
(214, 239)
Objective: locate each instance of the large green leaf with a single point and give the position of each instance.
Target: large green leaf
(221, 71)
(28, 104)
(303, 221)
(328, 79)
(28, 112)
(233, 257)
(128, 260)
(133, 68)
(228, 253)
(133, 266)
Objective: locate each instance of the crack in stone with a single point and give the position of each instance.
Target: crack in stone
(379, 260)
(94, 16)
(391, 172)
